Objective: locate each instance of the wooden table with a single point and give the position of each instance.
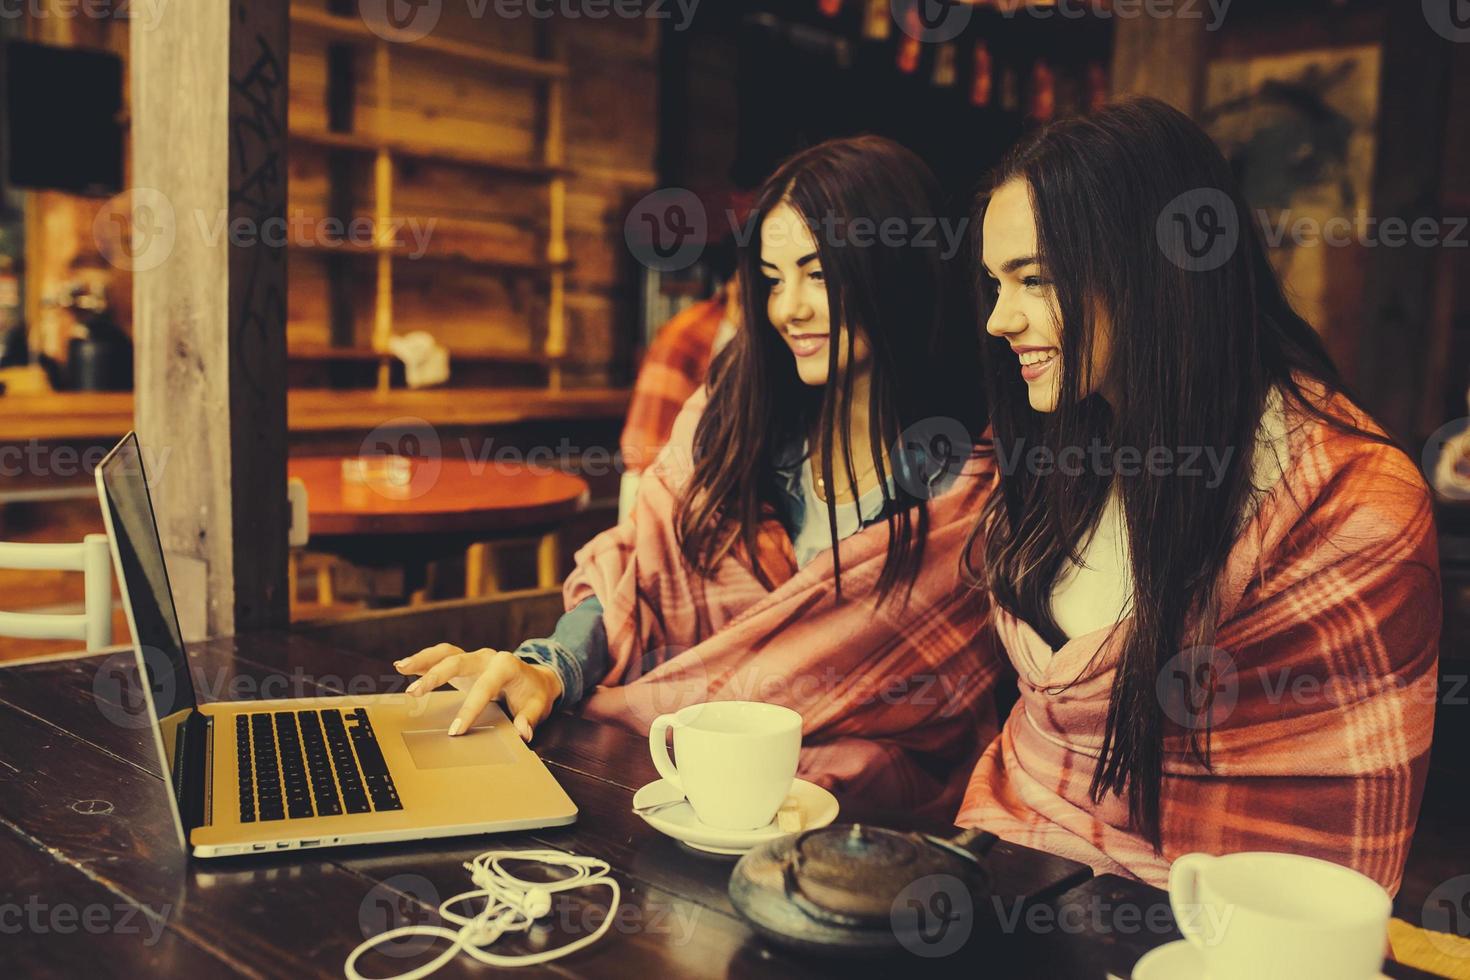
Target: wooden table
(86, 841)
(109, 415)
(445, 505)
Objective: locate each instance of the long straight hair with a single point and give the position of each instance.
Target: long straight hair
(1196, 347)
(897, 291)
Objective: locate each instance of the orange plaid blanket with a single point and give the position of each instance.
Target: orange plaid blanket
(673, 369)
(896, 704)
(1321, 685)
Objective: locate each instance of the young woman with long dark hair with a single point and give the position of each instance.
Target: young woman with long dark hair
(1215, 576)
(724, 583)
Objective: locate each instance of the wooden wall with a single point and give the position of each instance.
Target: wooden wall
(611, 142)
(611, 138)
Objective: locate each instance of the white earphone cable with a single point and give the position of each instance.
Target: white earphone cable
(512, 904)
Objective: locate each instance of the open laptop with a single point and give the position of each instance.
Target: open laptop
(248, 777)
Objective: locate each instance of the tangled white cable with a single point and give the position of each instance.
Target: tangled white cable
(512, 904)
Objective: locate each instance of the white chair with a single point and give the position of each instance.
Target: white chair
(93, 559)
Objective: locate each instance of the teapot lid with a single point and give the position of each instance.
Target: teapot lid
(850, 875)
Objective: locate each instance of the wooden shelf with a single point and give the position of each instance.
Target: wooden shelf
(357, 143)
(368, 355)
(354, 31)
(529, 266)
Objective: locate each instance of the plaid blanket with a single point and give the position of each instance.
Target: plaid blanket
(673, 369)
(1320, 687)
(896, 703)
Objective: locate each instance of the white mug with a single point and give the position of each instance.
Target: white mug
(1261, 915)
(737, 759)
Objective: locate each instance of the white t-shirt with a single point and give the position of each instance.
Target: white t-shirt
(1099, 593)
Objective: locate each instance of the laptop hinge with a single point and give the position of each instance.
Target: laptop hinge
(192, 771)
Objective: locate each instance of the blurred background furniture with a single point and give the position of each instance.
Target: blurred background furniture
(93, 558)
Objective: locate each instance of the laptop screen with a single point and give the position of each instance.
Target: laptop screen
(144, 579)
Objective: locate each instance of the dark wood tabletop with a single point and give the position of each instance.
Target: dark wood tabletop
(95, 883)
(442, 496)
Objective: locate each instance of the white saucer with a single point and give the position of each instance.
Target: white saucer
(1172, 961)
(1175, 961)
(818, 809)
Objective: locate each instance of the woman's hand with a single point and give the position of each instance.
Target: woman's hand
(529, 690)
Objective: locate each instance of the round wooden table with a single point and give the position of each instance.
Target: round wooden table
(423, 509)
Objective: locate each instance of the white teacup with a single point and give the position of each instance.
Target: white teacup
(737, 759)
(1260, 915)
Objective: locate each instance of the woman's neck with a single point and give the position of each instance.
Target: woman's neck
(859, 443)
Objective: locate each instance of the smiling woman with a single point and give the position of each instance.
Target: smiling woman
(1147, 610)
(798, 540)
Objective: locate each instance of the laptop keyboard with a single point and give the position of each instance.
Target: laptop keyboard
(297, 764)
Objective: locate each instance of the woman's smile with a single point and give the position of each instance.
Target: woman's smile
(1035, 363)
(807, 344)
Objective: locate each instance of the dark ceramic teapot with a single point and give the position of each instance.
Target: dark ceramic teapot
(843, 889)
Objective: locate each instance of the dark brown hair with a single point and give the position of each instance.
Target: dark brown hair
(925, 354)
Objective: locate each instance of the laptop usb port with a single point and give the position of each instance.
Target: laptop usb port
(258, 847)
(310, 843)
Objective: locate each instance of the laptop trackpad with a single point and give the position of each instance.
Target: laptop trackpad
(435, 750)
